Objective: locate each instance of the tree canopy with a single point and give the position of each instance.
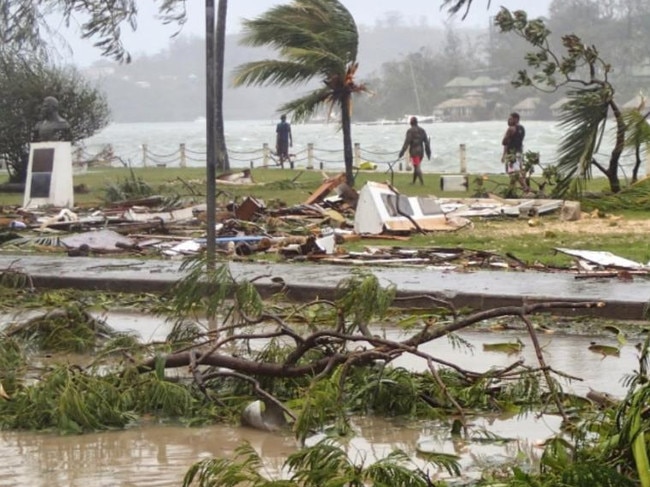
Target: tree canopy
(24, 83)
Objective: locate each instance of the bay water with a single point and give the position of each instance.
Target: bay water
(378, 144)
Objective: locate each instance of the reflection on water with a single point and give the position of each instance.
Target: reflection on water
(147, 456)
(159, 455)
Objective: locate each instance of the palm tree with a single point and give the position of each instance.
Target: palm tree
(313, 39)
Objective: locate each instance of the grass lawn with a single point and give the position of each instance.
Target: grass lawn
(623, 232)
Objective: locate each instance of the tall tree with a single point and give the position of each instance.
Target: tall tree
(314, 39)
(24, 83)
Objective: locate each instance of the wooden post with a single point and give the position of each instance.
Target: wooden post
(407, 161)
(310, 155)
(463, 159)
(357, 154)
(183, 158)
(144, 155)
(265, 154)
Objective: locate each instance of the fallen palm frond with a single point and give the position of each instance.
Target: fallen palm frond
(69, 330)
(634, 196)
(130, 187)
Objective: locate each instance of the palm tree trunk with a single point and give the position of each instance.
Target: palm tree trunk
(637, 164)
(612, 170)
(346, 126)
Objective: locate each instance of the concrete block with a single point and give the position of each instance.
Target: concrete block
(570, 211)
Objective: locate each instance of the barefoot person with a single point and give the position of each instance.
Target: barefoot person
(417, 142)
(283, 140)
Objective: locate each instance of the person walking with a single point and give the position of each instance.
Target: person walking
(417, 143)
(283, 140)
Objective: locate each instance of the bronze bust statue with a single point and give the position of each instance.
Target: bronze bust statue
(52, 126)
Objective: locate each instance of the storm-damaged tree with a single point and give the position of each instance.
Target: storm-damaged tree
(580, 70)
(314, 39)
(637, 137)
(315, 364)
(25, 80)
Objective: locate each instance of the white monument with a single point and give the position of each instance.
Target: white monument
(49, 170)
(49, 175)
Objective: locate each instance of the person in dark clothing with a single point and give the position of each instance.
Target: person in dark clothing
(513, 149)
(283, 140)
(417, 143)
(513, 144)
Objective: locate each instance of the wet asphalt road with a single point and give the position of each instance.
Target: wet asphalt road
(480, 289)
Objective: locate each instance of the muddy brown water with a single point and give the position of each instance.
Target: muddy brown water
(159, 455)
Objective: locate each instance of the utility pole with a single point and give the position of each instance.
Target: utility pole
(210, 133)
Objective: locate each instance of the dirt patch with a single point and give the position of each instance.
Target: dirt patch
(588, 224)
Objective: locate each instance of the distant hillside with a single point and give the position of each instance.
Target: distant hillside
(170, 86)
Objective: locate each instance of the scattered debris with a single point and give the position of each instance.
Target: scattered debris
(241, 177)
(381, 208)
(317, 229)
(590, 260)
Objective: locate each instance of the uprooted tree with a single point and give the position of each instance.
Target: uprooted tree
(315, 363)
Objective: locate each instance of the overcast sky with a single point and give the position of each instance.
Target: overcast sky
(152, 37)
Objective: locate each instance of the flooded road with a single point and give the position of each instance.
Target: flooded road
(159, 455)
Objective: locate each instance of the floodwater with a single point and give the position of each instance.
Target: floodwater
(159, 455)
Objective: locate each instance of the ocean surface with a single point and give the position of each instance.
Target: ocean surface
(378, 144)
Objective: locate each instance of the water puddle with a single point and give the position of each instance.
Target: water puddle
(159, 455)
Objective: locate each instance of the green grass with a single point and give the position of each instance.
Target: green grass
(277, 183)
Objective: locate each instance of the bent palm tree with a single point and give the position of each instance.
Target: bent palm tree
(314, 39)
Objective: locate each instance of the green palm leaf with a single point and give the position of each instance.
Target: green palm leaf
(272, 72)
(305, 107)
(583, 120)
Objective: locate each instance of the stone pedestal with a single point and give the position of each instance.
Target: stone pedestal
(49, 175)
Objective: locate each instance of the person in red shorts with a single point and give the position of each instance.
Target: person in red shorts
(417, 143)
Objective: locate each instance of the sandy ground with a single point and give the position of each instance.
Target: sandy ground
(588, 224)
